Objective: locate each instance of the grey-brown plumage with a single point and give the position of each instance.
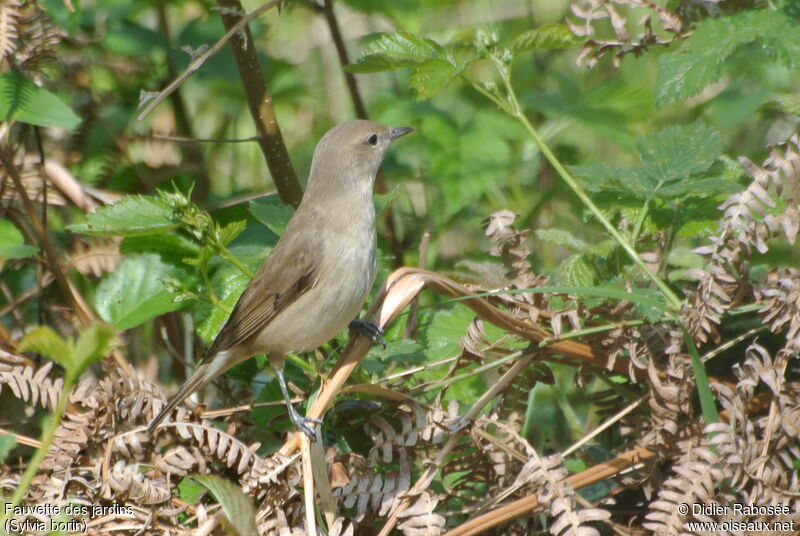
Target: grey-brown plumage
(315, 280)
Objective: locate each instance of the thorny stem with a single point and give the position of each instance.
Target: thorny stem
(512, 107)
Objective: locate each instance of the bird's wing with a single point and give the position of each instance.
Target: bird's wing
(291, 269)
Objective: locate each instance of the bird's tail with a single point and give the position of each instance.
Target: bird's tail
(197, 379)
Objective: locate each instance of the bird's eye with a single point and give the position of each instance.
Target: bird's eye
(372, 140)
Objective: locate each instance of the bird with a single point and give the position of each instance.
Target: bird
(315, 280)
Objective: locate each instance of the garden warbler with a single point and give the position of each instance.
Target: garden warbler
(315, 280)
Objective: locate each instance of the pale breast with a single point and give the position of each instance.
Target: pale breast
(334, 300)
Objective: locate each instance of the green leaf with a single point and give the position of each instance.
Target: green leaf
(231, 231)
(563, 238)
(384, 201)
(237, 506)
(394, 51)
(431, 77)
(228, 283)
(549, 36)
(467, 161)
(22, 100)
(93, 343)
(43, 340)
(7, 444)
(671, 159)
(789, 103)
(601, 177)
(272, 212)
(135, 292)
(170, 247)
(576, 271)
(698, 61)
(190, 490)
(127, 38)
(12, 244)
(130, 216)
(676, 152)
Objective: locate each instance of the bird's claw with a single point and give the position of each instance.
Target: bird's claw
(302, 424)
(369, 330)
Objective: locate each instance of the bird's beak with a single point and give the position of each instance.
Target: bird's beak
(399, 131)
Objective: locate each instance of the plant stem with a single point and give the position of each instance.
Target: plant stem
(640, 222)
(514, 109)
(516, 112)
(228, 256)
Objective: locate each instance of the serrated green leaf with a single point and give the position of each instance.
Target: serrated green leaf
(676, 152)
(130, 216)
(170, 247)
(237, 506)
(699, 59)
(135, 292)
(43, 340)
(611, 177)
(394, 51)
(576, 271)
(563, 238)
(431, 77)
(231, 231)
(671, 158)
(272, 212)
(22, 100)
(549, 36)
(12, 243)
(93, 343)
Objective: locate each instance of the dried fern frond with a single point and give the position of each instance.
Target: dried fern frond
(31, 385)
(696, 477)
(420, 519)
(9, 16)
(779, 296)
(589, 12)
(559, 498)
(750, 219)
(38, 38)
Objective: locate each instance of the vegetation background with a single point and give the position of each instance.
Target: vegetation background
(618, 180)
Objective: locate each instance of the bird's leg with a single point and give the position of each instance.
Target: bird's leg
(369, 330)
(299, 421)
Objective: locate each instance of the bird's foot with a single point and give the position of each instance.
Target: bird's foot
(302, 423)
(369, 330)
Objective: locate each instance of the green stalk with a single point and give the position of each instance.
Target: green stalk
(512, 106)
(228, 256)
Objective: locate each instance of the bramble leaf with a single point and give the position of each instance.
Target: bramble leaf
(130, 216)
(135, 292)
(698, 61)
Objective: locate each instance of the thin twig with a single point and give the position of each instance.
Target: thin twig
(209, 53)
(180, 139)
(41, 235)
(259, 101)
